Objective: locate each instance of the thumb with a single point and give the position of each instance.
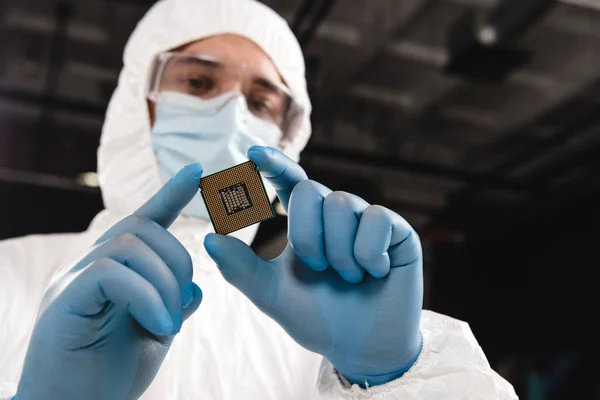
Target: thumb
(283, 173)
(240, 266)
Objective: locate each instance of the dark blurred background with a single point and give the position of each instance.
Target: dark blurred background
(477, 120)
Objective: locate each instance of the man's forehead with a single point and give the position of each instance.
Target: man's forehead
(235, 49)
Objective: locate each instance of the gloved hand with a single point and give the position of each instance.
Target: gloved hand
(105, 326)
(349, 283)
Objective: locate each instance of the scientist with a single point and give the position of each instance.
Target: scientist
(207, 84)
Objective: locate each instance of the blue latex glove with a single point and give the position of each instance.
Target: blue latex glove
(105, 326)
(349, 283)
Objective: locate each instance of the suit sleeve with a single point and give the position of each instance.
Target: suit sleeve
(27, 266)
(451, 366)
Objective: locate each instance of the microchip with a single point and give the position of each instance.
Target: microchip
(236, 198)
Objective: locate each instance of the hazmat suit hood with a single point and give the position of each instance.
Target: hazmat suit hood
(127, 166)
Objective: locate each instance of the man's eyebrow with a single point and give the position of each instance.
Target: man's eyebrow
(265, 84)
(197, 61)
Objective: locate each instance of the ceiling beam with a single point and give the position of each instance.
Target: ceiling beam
(45, 102)
(44, 180)
(590, 117)
(510, 19)
(579, 111)
(544, 145)
(591, 4)
(308, 19)
(389, 20)
(583, 159)
(395, 163)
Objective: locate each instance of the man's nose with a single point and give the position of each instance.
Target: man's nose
(233, 85)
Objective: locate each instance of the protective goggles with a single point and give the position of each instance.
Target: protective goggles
(208, 77)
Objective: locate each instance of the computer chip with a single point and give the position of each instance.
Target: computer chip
(236, 198)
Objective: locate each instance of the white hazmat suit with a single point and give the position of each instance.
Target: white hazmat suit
(228, 349)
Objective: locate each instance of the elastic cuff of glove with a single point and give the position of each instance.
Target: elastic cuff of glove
(365, 381)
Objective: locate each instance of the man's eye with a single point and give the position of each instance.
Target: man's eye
(201, 83)
(259, 105)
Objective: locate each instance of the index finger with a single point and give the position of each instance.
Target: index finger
(280, 170)
(164, 207)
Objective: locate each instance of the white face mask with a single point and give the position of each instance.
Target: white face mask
(216, 133)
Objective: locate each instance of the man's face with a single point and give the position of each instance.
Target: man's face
(232, 49)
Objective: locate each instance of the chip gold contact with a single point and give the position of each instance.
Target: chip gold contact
(236, 198)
